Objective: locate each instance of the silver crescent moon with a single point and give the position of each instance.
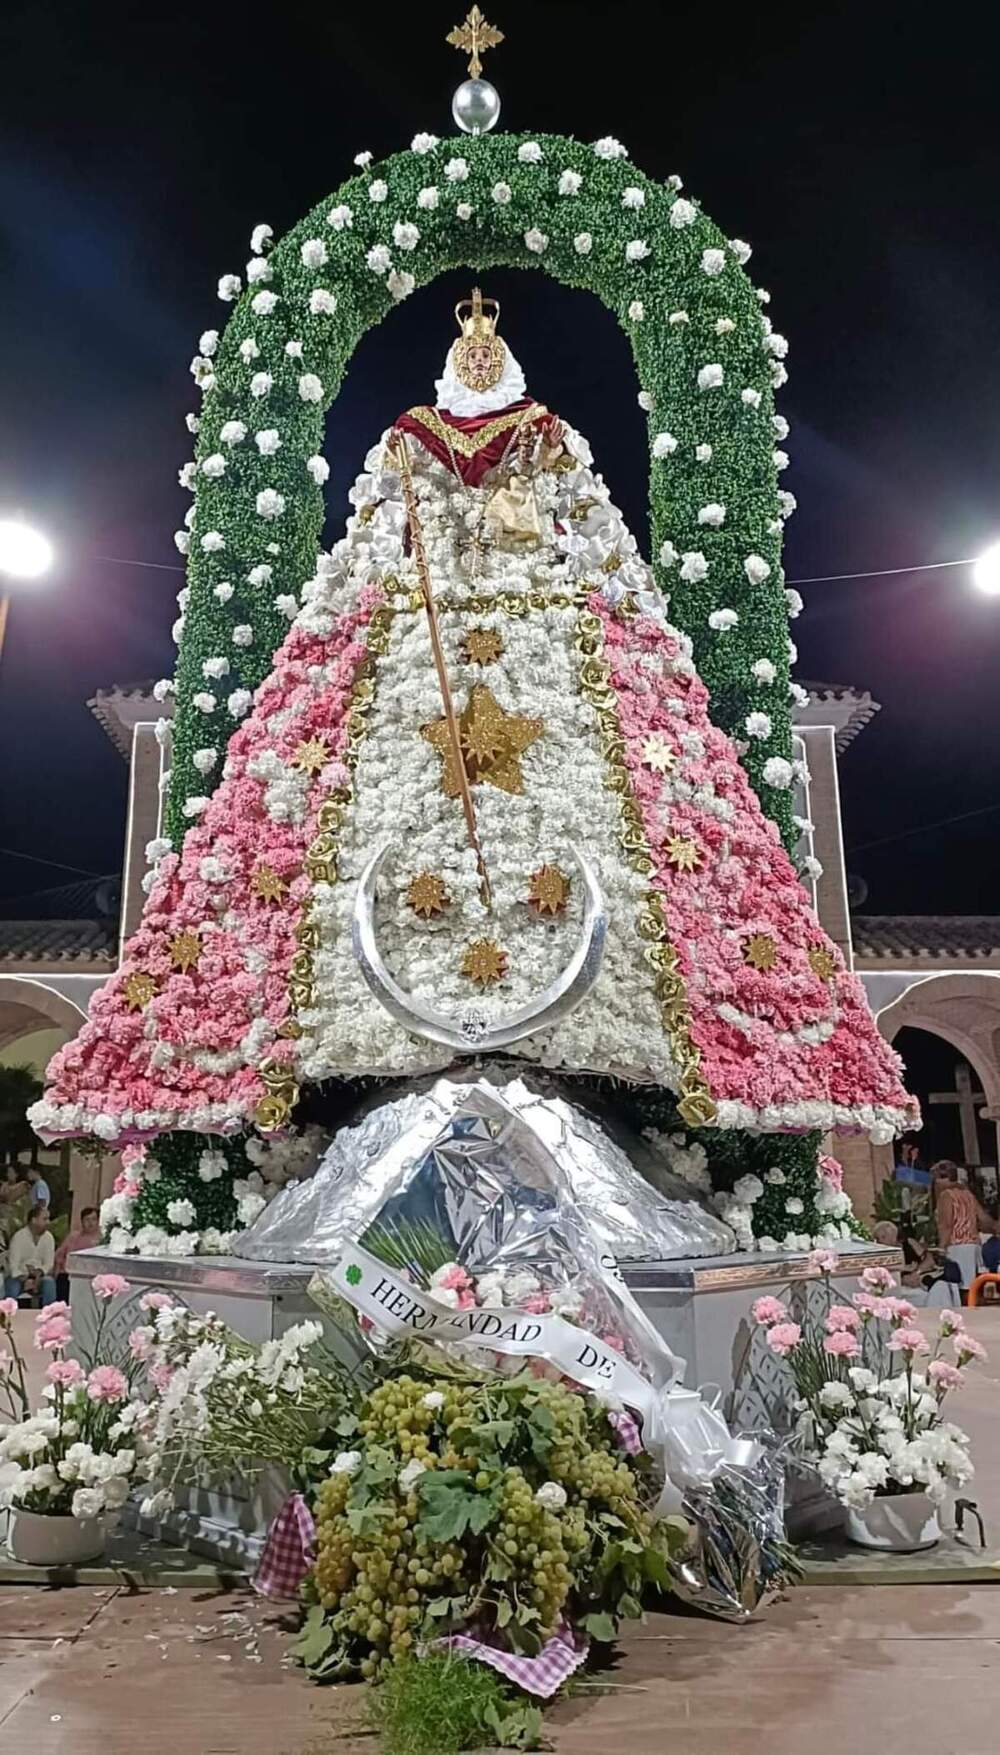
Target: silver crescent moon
(471, 1031)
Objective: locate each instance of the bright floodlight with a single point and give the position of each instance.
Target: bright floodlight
(986, 572)
(24, 553)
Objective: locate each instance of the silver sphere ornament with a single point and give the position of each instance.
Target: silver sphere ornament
(476, 106)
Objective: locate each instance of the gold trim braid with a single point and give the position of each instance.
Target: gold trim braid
(274, 1110)
(467, 444)
(696, 1107)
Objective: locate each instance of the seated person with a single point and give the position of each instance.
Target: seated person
(31, 1260)
(88, 1236)
(960, 1218)
(13, 1185)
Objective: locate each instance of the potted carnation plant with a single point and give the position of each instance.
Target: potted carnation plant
(64, 1469)
(871, 1393)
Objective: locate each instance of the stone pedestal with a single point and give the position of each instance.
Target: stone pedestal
(701, 1308)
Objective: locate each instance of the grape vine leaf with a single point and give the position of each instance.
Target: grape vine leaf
(451, 1505)
(601, 1627)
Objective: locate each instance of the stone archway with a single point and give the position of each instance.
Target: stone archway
(964, 1010)
(28, 1004)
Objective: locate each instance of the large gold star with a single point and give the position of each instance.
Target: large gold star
(185, 949)
(481, 646)
(492, 743)
(139, 989)
(657, 754)
(760, 951)
(822, 962)
(427, 895)
(267, 885)
(311, 755)
(549, 891)
(683, 853)
(484, 962)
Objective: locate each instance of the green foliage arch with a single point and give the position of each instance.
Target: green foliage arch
(585, 215)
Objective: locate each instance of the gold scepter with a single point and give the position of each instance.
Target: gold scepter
(451, 719)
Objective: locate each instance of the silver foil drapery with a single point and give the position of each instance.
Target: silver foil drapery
(508, 1155)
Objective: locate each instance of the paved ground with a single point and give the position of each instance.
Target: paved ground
(876, 1670)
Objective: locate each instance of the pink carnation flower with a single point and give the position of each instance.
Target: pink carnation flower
(769, 1310)
(109, 1285)
(140, 1343)
(902, 1310)
(968, 1348)
(536, 1305)
(944, 1376)
(877, 1279)
(880, 1308)
(822, 1261)
(783, 1337)
(67, 1372)
(155, 1301)
(831, 1170)
(451, 1278)
(909, 1340)
(8, 1306)
(107, 1384)
(160, 1376)
(841, 1344)
(52, 1333)
(842, 1316)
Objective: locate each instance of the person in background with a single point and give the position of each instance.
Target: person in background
(13, 1185)
(87, 1237)
(908, 1168)
(31, 1260)
(960, 1218)
(40, 1196)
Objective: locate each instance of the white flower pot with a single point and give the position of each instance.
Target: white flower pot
(900, 1523)
(38, 1540)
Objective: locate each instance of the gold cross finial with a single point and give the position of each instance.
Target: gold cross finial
(473, 36)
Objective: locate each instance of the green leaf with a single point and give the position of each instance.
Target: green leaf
(346, 1426)
(601, 1627)
(315, 1639)
(452, 1505)
(654, 1567)
(504, 1612)
(630, 1607)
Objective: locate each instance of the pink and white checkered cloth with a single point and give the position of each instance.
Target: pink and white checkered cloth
(626, 1431)
(542, 1675)
(289, 1551)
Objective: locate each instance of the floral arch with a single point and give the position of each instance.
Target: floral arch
(707, 362)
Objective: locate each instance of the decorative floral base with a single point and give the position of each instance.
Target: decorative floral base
(36, 1539)
(899, 1523)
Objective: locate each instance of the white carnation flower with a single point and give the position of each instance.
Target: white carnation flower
(781, 460)
(778, 773)
(263, 303)
(608, 148)
(248, 350)
(457, 170)
(181, 1212)
(410, 1474)
(204, 702)
(551, 1496)
(677, 318)
(529, 153)
(287, 605)
(710, 377)
(346, 1462)
(321, 302)
(313, 253)
(537, 242)
(212, 1165)
(750, 397)
(319, 469)
(668, 554)
(713, 262)
(193, 806)
(646, 401)
(423, 143)
(260, 237)
(341, 218)
(377, 190)
(741, 250)
(713, 515)
(664, 445)
(239, 703)
(379, 259)
(633, 197)
(501, 193)
(230, 287)
(776, 345)
(464, 210)
(268, 441)
(583, 243)
(721, 620)
(261, 384)
(213, 668)
(213, 542)
(428, 199)
(758, 725)
(405, 236)
(682, 213)
(636, 311)
(400, 284)
(569, 183)
(233, 432)
(188, 473)
(270, 504)
(794, 602)
(756, 569)
(780, 426)
(258, 271)
(434, 1399)
(205, 760)
(703, 453)
(243, 634)
(763, 671)
(636, 250)
(694, 567)
(724, 326)
(310, 387)
(362, 159)
(208, 342)
(260, 575)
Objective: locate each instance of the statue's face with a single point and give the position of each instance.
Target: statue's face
(480, 361)
(479, 364)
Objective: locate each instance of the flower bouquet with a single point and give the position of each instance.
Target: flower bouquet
(65, 1470)
(871, 1390)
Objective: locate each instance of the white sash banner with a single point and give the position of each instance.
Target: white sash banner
(402, 1309)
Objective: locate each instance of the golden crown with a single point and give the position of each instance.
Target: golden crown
(477, 326)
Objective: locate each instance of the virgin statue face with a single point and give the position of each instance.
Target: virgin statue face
(479, 360)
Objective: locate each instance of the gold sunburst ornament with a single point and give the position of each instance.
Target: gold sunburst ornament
(683, 853)
(760, 952)
(492, 740)
(266, 885)
(822, 962)
(472, 37)
(481, 646)
(311, 755)
(427, 895)
(185, 949)
(139, 989)
(484, 962)
(549, 890)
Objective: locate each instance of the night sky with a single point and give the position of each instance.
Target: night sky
(857, 151)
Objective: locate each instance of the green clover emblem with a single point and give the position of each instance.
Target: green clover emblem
(353, 1275)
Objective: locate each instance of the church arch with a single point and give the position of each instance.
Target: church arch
(28, 1005)
(706, 359)
(963, 1009)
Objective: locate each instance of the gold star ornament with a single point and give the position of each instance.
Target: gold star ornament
(185, 949)
(492, 741)
(140, 988)
(427, 895)
(266, 885)
(484, 962)
(683, 853)
(311, 755)
(657, 754)
(472, 37)
(549, 890)
(760, 952)
(822, 962)
(481, 646)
